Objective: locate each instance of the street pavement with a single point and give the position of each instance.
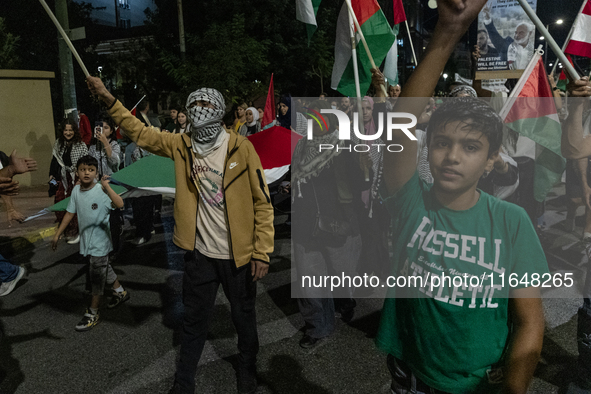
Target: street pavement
(134, 348)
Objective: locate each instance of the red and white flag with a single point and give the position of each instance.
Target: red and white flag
(275, 148)
(269, 114)
(580, 40)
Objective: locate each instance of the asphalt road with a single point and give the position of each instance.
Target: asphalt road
(134, 348)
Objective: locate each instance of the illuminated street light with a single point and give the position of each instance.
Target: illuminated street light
(557, 22)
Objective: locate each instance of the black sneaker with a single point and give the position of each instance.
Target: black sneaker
(88, 321)
(308, 342)
(247, 380)
(118, 298)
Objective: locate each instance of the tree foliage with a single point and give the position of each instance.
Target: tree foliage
(8, 48)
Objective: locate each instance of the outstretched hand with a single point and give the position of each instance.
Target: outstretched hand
(21, 165)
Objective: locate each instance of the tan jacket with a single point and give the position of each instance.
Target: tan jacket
(248, 206)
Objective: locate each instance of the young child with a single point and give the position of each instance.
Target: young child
(457, 338)
(93, 203)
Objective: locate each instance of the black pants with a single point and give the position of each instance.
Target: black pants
(203, 275)
(143, 215)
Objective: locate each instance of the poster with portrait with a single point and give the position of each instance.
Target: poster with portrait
(505, 38)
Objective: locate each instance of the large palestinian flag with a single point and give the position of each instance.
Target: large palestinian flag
(155, 174)
(532, 113)
(379, 37)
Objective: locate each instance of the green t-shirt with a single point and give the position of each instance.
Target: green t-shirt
(452, 336)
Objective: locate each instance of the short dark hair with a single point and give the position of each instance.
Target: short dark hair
(482, 31)
(88, 160)
(175, 107)
(143, 105)
(477, 114)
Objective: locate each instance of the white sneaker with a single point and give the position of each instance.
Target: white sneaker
(75, 240)
(6, 288)
(140, 241)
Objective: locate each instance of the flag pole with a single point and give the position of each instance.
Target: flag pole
(356, 75)
(570, 33)
(414, 56)
(354, 55)
(551, 43)
(352, 15)
(138, 103)
(65, 37)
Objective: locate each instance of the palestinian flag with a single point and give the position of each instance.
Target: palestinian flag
(275, 148)
(155, 174)
(562, 79)
(379, 37)
(531, 112)
(391, 63)
(150, 175)
(306, 11)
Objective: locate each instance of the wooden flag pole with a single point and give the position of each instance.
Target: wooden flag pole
(373, 64)
(551, 43)
(65, 37)
(414, 56)
(357, 87)
(354, 55)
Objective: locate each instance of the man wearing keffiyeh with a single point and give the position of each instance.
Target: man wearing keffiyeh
(223, 218)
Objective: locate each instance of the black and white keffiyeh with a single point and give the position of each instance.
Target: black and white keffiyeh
(207, 132)
(308, 161)
(79, 149)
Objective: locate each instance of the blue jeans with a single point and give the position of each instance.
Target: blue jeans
(8, 271)
(203, 276)
(316, 304)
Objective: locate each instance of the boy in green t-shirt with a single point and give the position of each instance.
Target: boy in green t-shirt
(466, 337)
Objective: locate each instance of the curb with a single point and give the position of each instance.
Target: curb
(24, 241)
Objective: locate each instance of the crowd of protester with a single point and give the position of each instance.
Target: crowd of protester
(353, 212)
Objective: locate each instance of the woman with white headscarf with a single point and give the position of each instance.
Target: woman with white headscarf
(252, 124)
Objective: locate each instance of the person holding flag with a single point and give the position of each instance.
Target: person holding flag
(223, 219)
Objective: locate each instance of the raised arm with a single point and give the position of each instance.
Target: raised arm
(150, 139)
(573, 144)
(499, 42)
(115, 198)
(455, 17)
